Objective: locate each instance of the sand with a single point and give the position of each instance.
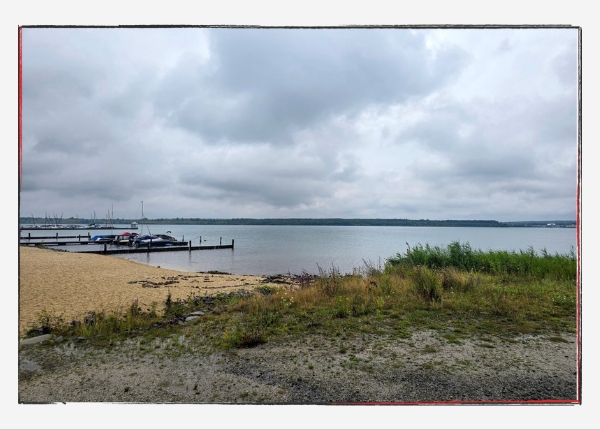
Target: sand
(70, 284)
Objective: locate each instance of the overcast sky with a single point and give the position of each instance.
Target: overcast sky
(269, 123)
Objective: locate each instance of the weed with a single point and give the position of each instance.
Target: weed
(456, 291)
(47, 323)
(429, 349)
(452, 338)
(427, 284)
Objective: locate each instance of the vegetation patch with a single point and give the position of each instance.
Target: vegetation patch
(455, 291)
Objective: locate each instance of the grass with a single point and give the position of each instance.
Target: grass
(455, 291)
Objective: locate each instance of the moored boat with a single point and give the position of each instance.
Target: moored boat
(125, 238)
(103, 238)
(157, 240)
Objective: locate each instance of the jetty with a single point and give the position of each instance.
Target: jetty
(109, 248)
(80, 238)
(146, 249)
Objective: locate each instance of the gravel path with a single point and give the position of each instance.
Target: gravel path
(311, 370)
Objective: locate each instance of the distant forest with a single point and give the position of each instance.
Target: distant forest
(307, 221)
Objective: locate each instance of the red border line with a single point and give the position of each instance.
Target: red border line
(20, 106)
(462, 402)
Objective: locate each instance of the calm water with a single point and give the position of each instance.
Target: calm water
(269, 250)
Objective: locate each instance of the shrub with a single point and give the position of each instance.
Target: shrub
(329, 283)
(244, 336)
(47, 323)
(525, 263)
(428, 285)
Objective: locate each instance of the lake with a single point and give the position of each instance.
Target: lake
(270, 250)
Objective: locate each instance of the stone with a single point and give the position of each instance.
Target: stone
(37, 339)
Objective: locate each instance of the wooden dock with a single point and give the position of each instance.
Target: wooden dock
(56, 237)
(140, 250)
(131, 250)
(103, 227)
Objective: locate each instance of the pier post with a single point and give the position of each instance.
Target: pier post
(232, 243)
(220, 240)
(200, 240)
(190, 245)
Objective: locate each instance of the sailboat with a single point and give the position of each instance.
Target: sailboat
(154, 240)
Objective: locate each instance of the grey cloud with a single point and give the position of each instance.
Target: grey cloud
(565, 68)
(492, 167)
(258, 189)
(278, 180)
(294, 122)
(272, 82)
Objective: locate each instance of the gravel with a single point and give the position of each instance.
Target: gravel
(309, 370)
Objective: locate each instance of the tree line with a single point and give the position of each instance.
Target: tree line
(402, 222)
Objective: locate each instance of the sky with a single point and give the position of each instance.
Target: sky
(251, 122)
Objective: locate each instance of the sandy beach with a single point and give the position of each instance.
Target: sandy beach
(70, 285)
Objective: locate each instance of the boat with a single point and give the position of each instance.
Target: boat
(103, 238)
(125, 238)
(154, 240)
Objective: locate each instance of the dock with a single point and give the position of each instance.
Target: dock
(99, 227)
(56, 237)
(181, 246)
(140, 250)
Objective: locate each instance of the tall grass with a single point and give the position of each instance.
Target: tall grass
(493, 291)
(463, 257)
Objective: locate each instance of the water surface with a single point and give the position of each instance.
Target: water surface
(269, 250)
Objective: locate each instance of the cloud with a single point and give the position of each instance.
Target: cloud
(264, 85)
(234, 122)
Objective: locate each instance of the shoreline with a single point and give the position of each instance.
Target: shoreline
(306, 368)
(69, 285)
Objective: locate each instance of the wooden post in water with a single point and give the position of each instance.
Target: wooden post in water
(220, 240)
(190, 245)
(232, 243)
